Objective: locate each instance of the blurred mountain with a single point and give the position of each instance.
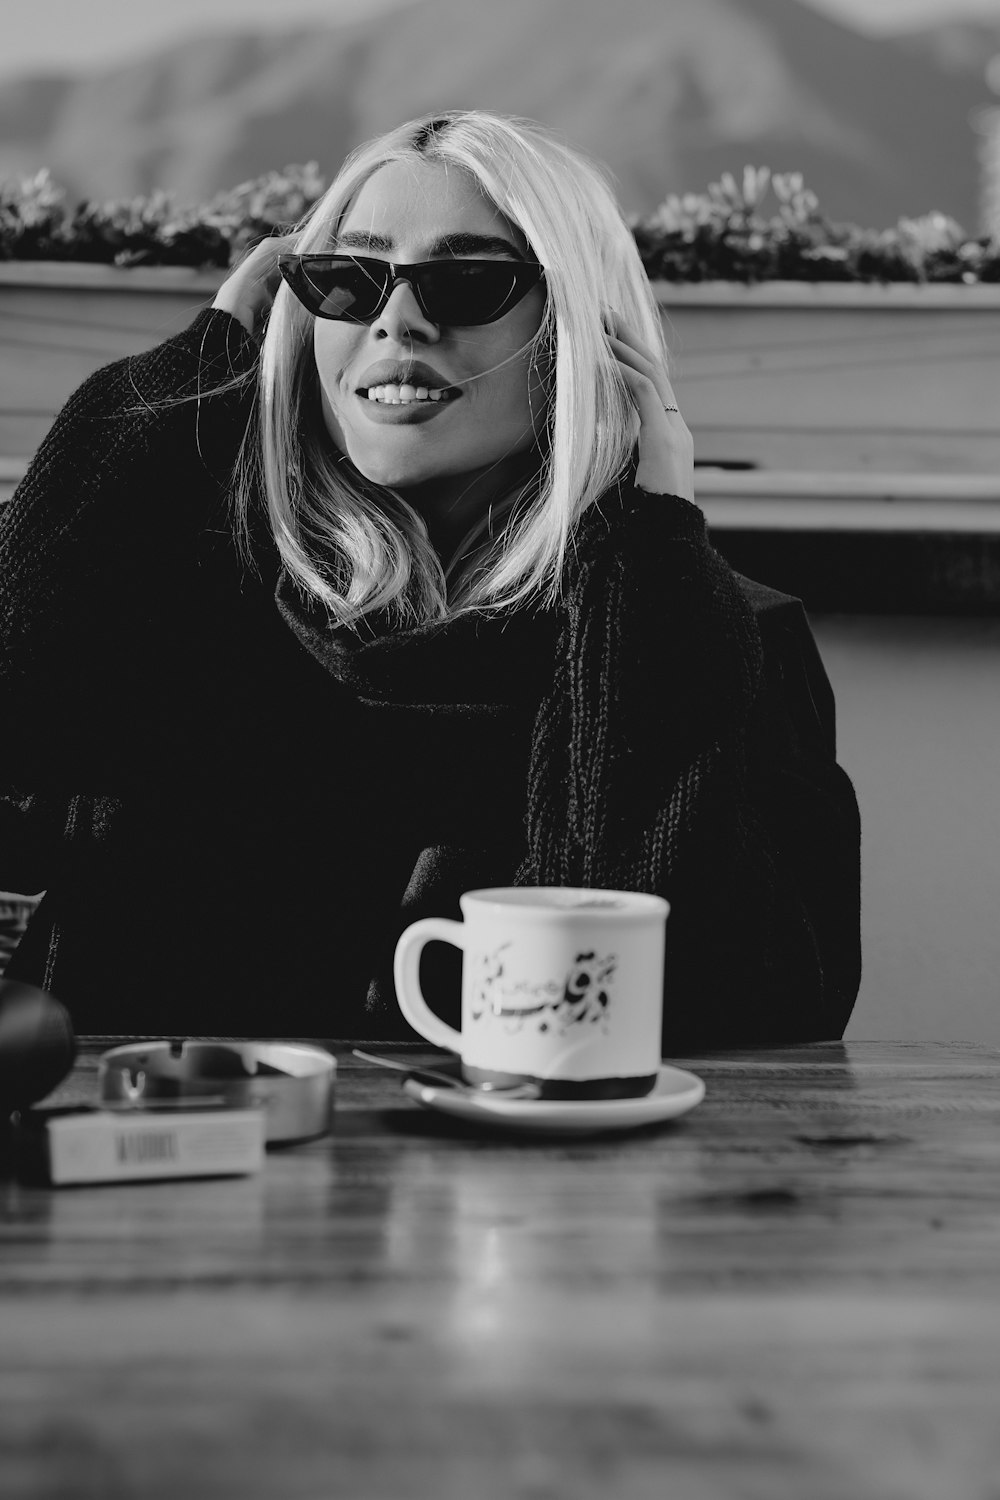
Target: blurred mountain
(962, 47)
(669, 93)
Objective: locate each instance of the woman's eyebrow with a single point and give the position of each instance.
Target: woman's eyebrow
(461, 243)
(364, 239)
(474, 244)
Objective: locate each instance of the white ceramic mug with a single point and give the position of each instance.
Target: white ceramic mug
(559, 985)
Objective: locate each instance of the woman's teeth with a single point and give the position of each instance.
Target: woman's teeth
(400, 395)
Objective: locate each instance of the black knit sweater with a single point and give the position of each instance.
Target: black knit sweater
(234, 809)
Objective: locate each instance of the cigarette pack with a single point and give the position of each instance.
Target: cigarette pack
(97, 1145)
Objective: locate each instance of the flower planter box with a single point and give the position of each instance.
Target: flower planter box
(815, 406)
(848, 437)
(60, 322)
(881, 403)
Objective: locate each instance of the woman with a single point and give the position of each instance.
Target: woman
(384, 581)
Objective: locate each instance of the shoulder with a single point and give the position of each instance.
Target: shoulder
(625, 514)
(773, 610)
(211, 354)
(793, 666)
(155, 399)
(665, 606)
(658, 546)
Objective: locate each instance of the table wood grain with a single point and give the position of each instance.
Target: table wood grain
(790, 1292)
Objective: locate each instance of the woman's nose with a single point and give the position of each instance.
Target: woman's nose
(401, 317)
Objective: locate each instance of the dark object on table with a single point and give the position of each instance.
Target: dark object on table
(15, 912)
(37, 1047)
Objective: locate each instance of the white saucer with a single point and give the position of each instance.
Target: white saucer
(674, 1093)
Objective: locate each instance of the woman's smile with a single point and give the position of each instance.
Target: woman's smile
(405, 391)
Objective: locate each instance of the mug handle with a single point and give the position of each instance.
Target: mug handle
(406, 973)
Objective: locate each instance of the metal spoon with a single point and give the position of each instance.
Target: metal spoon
(436, 1079)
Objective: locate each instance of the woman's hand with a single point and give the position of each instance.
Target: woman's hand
(666, 448)
(248, 293)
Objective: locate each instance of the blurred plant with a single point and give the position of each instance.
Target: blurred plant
(726, 234)
(32, 213)
(271, 204)
(143, 231)
(36, 222)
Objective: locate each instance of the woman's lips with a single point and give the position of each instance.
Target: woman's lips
(403, 411)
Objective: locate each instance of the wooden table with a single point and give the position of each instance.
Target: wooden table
(793, 1291)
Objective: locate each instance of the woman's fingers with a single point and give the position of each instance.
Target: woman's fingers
(647, 368)
(631, 351)
(642, 387)
(666, 448)
(249, 291)
(635, 352)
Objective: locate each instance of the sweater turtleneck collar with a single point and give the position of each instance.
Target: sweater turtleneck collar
(472, 661)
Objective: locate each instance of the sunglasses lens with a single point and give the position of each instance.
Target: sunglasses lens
(343, 290)
(469, 292)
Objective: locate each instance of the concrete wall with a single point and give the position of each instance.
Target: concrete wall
(919, 733)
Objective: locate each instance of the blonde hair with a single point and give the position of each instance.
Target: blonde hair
(360, 548)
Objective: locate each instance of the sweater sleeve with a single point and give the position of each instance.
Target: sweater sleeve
(92, 550)
(681, 752)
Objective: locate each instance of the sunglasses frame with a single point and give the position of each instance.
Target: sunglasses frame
(294, 268)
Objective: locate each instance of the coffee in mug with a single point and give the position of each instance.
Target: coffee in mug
(561, 986)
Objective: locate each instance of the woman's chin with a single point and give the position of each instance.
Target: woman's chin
(390, 478)
(398, 471)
